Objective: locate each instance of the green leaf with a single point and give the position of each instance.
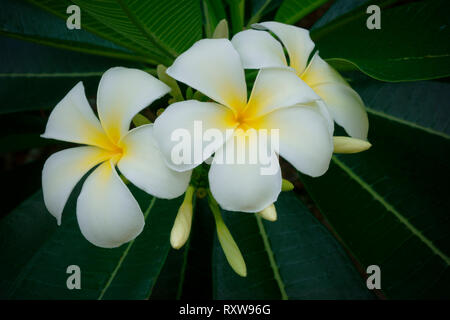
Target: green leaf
(339, 8)
(214, 12)
(390, 204)
(411, 44)
(187, 272)
(90, 24)
(292, 258)
(164, 28)
(35, 254)
(258, 10)
(48, 76)
(291, 11)
(24, 21)
(237, 10)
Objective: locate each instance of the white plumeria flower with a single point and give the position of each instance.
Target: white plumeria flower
(278, 101)
(107, 213)
(258, 49)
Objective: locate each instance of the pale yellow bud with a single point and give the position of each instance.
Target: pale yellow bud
(182, 225)
(221, 30)
(269, 213)
(229, 246)
(350, 145)
(286, 185)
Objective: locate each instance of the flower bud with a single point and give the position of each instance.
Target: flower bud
(229, 246)
(269, 213)
(286, 185)
(221, 30)
(182, 225)
(350, 145)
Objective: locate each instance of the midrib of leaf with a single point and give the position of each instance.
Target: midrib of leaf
(62, 74)
(124, 255)
(85, 49)
(407, 123)
(50, 75)
(391, 209)
(273, 264)
(149, 35)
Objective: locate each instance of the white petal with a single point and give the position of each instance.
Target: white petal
(73, 120)
(247, 186)
(107, 212)
(143, 164)
(63, 170)
(181, 126)
(213, 67)
(122, 93)
(323, 108)
(346, 107)
(304, 138)
(297, 41)
(258, 49)
(277, 88)
(319, 71)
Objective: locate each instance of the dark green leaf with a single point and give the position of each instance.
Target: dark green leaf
(339, 8)
(94, 26)
(412, 43)
(214, 11)
(258, 10)
(390, 204)
(291, 11)
(187, 272)
(164, 28)
(39, 83)
(35, 254)
(294, 257)
(24, 21)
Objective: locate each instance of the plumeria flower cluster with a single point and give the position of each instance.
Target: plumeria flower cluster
(301, 100)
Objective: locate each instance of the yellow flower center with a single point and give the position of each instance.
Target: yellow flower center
(116, 152)
(245, 121)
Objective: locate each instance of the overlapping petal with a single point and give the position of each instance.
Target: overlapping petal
(319, 71)
(213, 67)
(122, 93)
(346, 107)
(247, 186)
(63, 170)
(259, 50)
(73, 120)
(108, 214)
(304, 138)
(181, 125)
(296, 40)
(143, 164)
(277, 88)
